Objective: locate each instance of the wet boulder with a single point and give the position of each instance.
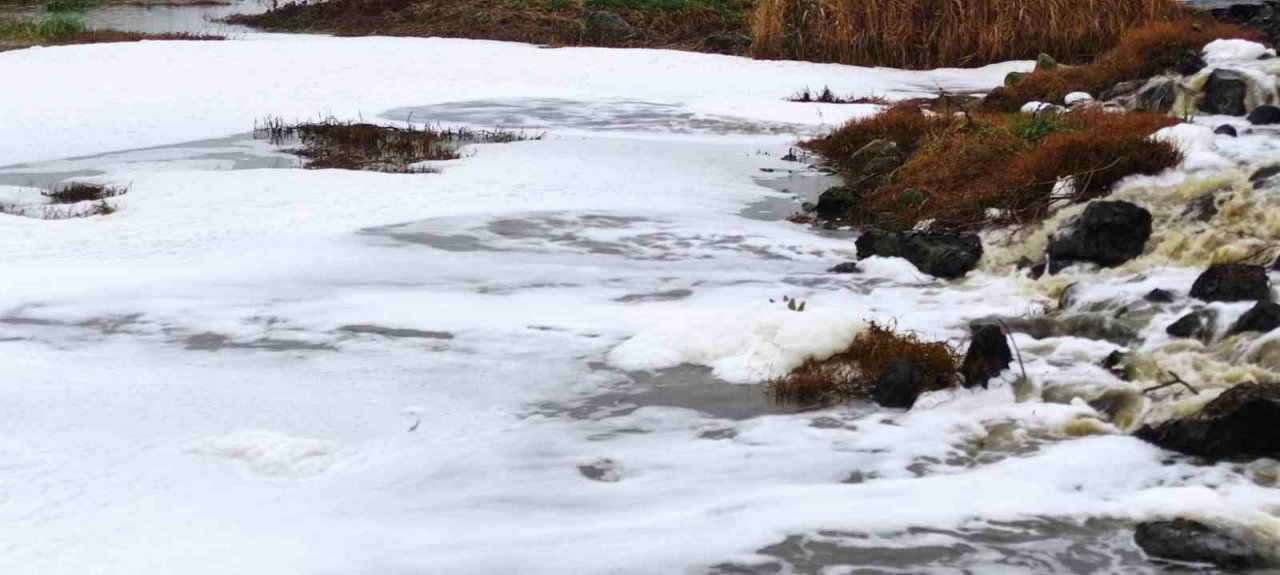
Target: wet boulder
(863, 170)
(1160, 296)
(988, 354)
(836, 202)
(1195, 325)
(845, 268)
(1232, 282)
(1157, 95)
(1238, 425)
(1226, 130)
(1262, 317)
(1265, 114)
(1107, 234)
(607, 27)
(899, 385)
(1194, 542)
(942, 254)
(1202, 209)
(1224, 93)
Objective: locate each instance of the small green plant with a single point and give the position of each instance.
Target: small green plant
(1035, 127)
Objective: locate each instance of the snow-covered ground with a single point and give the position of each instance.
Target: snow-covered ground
(277, 371)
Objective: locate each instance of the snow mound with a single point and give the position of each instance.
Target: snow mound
(740, 347)
(270, 454)
(1219, 51)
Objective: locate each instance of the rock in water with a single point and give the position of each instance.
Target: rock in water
(1157, 95)
(899, 385)
(942, 254)
(1238, 425)
(1195, 542)
(1160, 296)
(1262, 317)
(1197, 324)
(845, 268)
(1107, 234)
(1226, 130)
(988, 354)
(1264, 115)
(1232, 282)
(1224, 93)
(605, 26)
(865, 169)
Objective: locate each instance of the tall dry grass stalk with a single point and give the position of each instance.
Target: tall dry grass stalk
(919, 34)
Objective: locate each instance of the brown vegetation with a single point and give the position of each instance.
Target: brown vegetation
(73, 200)
(696, 26)
(341, 145)
(921, 34)
(973, 169)
(1140, 54)
(76, 192)
(849, 374)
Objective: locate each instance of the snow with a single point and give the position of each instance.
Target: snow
(1219, 51)
(1077, 98)
(185, 391)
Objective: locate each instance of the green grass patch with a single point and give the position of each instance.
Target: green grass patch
(46, 29)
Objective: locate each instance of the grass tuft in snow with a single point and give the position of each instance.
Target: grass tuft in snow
(849, 374)
(336, 144)
(76, 192)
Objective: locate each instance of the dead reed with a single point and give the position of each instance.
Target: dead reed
(921, 34)
(850, 373)
(975, 169)
(332, 143)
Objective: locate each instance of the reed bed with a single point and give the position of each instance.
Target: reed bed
(922, 34)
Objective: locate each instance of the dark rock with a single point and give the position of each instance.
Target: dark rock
(988, 354)
(1045, 62)
(1264, 115)
(1157, 95)
(1224, 93)
(1226, 130)
(899, 385)
(1159, 296)
(1263, 317)
(1115, 362)
(1202, 209)
(836, 202)
(1186, 61)
(1238, 425)
(845, 268)
(1232, 282)
(1195, 325)
(605, 26)
(1052, 268)
(1121, 89)
(865, 169)
(1107, 234)
(942, 254)
(1195, 542)
(1264, 173)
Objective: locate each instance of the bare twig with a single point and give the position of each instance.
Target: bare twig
(1176, 381)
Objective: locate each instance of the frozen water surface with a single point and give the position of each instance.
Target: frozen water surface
(546, 358)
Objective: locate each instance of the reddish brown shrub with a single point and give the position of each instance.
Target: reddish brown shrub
(849, 374)
(1141, 53)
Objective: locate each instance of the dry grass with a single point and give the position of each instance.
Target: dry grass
(70, 201)
(920, 34)
(702, 25)
(967, 171)
(342, 145)
(76, 192)
(1141, 53)
(850, 374)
